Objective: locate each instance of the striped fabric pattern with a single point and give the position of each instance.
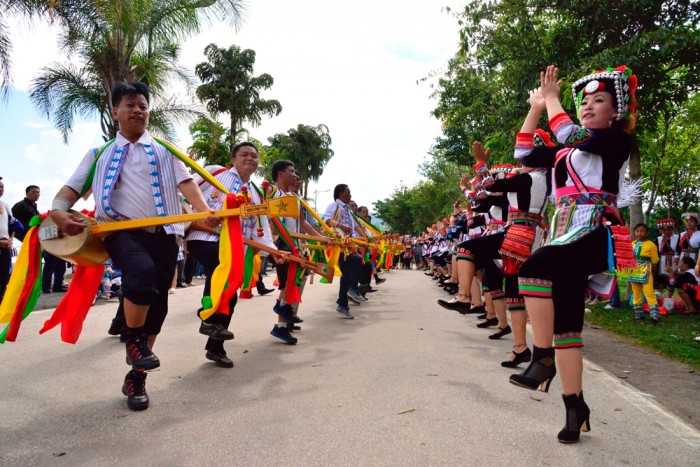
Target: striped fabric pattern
(169, 198)
(497, 294)
(515, 304)
(569, 340)
(532, 287)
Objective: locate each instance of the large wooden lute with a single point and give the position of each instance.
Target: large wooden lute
(87, 249)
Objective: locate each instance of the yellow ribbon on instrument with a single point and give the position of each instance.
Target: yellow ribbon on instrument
(225, 279)
(14, 287)
(318, 218)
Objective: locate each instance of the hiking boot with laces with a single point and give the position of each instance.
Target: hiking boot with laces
(139, 355)
(286, 312)
(220, 359)
(283, 334)
(134, 389)
(216, 331)
(116, 327)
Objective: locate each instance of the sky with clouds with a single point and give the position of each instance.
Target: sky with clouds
(353, 66)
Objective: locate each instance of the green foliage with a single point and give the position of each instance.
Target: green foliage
(410, 210)
(121, 40)
(12, 10)
(230, 87)
(308, 147)
(268, 156)
(396, 211)
(504, 46)
(670, 161)
(210, 142)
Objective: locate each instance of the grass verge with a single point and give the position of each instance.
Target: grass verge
(672, 337)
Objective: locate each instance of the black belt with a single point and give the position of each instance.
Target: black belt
(154, 230)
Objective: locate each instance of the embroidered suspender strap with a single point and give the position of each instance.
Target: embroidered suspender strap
(580, 186)
(93, 167)
(335, 214)
(191, 164)
(221, 170)
(174, 151)
(548, 191)
(262, 198)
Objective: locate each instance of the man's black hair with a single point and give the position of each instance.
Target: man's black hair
(122, 89)
(238, 147)
(641, 224)
(687, 260)
(338, 190)
(30, 188)
(280, 166)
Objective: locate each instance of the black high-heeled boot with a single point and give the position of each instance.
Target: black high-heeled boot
(540, 372)
(577, 418)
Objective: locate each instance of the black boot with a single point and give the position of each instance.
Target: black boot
(262, 290)
(539, 373)
(117, 326)
(138, 354)
(135, 389)
(577, 418)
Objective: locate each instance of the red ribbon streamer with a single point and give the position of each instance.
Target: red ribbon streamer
(32, 278)
(291, 290)
(73, 308)
(235, 239)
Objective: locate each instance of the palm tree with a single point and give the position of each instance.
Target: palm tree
(13, 9)
(308, 147)
(121, 40)
(210, 142)
(230, 87)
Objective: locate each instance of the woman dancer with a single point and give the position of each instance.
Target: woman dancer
(588, 172)
(472, 256)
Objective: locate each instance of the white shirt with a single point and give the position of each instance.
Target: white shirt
(215, 199)
(343, 215)
(292, 223)
(5, 220)
(132, 196)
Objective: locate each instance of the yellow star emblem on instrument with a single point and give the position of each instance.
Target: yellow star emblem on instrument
(282, 207)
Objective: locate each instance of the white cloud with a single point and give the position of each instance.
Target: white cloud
(352, 66)
(47, 162)
(37, 125)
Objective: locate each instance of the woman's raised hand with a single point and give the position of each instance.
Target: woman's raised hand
(457, 207)
(550, 82)
(465, 181)
(480, 155)
(536, 100)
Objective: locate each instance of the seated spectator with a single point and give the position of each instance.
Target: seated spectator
(684, 280)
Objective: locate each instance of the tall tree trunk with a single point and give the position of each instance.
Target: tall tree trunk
(233, 133)
(635, 170)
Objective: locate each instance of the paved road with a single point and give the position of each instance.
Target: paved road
(405, 383)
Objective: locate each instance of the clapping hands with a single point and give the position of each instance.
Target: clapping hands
(536, 100)
(480, 155)
(549, 80)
